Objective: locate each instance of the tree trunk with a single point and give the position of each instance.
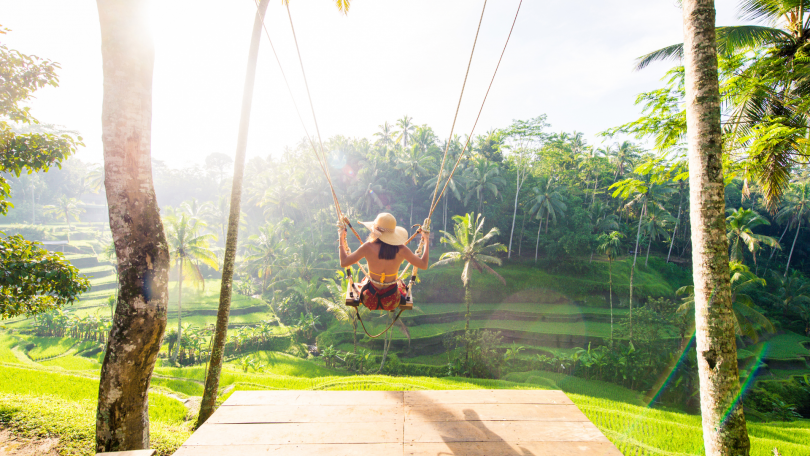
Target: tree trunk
(677, 222)
(514, 216)
(223, 313)
(724, 428)
(537, 244)
(647, 260)
(610, 275)
(798, 228)
(179, 310)
(520, 238)
(467, 299)
(595, 183)
(122, 419)
(633, 268)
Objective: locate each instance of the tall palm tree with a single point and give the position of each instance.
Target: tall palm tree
(406, 128)
(366, 192)
(471, 248)
(766, 101)
(624, 154)
(603, 222)
(223, 312)
(739, 231)
(611, 245)
(481, 178)
(724, 428)
(549, 203)
(265, 251)
(67, 208)
(128, 58)
(188, 248)
(655, 227)
(414, 163)
(385, 137)
(455, 183)
(795, 210)
(640, 194)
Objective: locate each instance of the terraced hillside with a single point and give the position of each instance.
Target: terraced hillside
(59, 395)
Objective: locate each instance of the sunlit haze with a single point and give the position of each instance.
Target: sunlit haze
(570, 60)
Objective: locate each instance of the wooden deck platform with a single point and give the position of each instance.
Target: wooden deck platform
(413, 423)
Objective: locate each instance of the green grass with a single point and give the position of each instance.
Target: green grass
(48, 347)
(576, 328)
(783, 346)
(532, 308)
(186, 387)
(73, 363)
(40, 383)
(283, 364)
(6, 343)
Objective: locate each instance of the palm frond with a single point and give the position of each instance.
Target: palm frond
(671, 53)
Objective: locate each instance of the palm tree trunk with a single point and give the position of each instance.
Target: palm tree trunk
(179, 309)
(724, 428)
(467, 300)
(514, 216)
(647, 260)
(677, 222)
(223, 313)
(798, 228)
(633, 268)
(547, 214)
(537, 244)
(595, 183)
(122, 421)
(520, 238)
(67, 220)
(610, 289)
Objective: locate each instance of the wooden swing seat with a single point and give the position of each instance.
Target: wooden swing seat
(352, 297)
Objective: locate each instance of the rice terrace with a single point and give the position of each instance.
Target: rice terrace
(446, 228)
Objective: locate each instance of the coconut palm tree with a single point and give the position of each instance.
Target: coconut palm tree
(749, 320)
(456, 182)
(188, 248)
(640, 194)
(724, 427)
(385, 137)
(406, 128)
(739, 231)
(67, 208)
(766, 101)
(795, 210)
(611, 245)
(414, 163)
(549, 203)
(266, 251)
(336, 305)
(473, 249)
(482, 177)
(623, 155)
(602, 221)
(655, 227)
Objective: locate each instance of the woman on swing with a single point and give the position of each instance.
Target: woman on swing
(384, 250)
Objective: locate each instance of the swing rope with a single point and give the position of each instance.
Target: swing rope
(357, 310)
(321, 157)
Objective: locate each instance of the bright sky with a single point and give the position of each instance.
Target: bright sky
(571, 60)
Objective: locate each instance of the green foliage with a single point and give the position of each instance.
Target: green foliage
(35, 280)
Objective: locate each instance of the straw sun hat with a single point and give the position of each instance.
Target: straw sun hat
(385, 228)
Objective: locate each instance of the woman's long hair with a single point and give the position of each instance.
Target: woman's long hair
(387, 251)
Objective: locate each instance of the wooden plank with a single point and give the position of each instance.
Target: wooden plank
(296, 433)
(307, 414)
(499, 431)
(511, 449)
(493, 412)
(487, 397)
(306, 397)
(366, 449)
(127, 453)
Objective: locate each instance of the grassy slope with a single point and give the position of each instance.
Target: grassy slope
(50, 400)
